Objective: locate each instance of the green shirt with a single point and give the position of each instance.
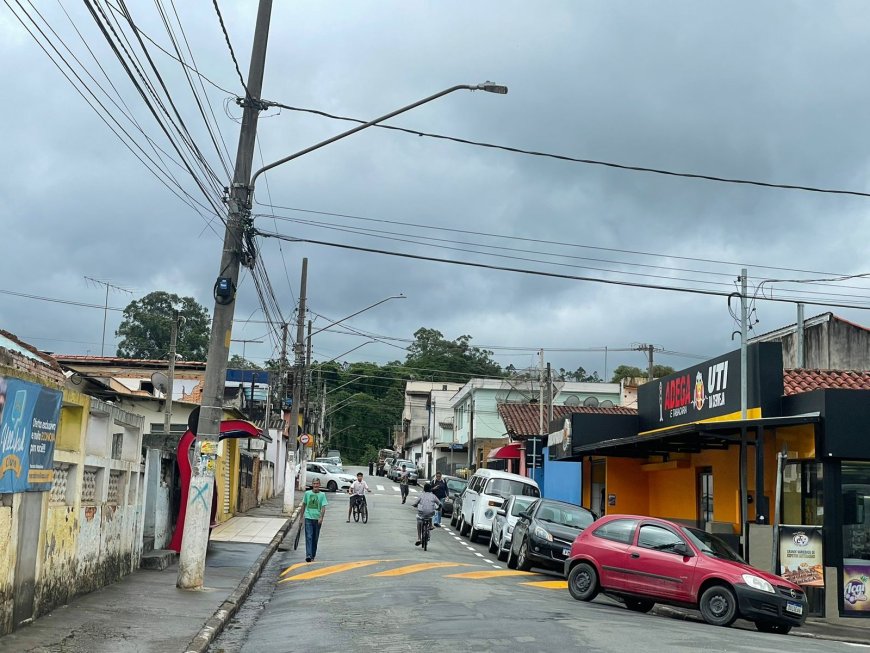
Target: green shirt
(314, 503)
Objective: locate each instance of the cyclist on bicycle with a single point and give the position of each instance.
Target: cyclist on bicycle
(357, 493)
(426, 504)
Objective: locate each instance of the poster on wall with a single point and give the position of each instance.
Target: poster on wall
(29, 415)
(856, 585)
(800, 555)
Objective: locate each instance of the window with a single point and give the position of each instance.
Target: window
(657, 538)
(802, 499)
(618, 530)
(314, 468)
(506, 487)
(519, 506)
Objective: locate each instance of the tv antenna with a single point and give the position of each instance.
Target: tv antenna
(106, 307)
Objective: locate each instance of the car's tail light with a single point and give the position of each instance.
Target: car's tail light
(495, 502)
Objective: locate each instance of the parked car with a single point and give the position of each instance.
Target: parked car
(383, 456)
(455, 486)
(396, 471)
(504, 522)
(644, 561)
(486, 492)
(388, 465)
(331, 477)
(544, 534)
(332, 460)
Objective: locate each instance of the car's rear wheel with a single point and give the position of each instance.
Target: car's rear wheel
(493, 545)
(718, 606)
(473, 533)
(768, 627)
(511, 560)
(332, 486)
(639, 605)
(583, 582)
(463, 527)
(502, 552)
(523, 562)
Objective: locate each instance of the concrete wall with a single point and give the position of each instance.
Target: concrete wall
(832, 344)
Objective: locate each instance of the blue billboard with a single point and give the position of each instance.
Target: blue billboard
(29, 415)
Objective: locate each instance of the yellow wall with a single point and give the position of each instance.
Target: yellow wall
(626, 480)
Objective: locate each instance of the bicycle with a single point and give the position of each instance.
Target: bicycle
(425, 530)
(360, 508)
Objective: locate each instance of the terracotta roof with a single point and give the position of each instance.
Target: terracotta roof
(522, 419)
(124, 362)
(797, 381)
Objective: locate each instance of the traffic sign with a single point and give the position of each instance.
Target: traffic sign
(304, 438)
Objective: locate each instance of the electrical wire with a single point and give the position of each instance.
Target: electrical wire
(593, 162)
(230, 47)
(541, 273)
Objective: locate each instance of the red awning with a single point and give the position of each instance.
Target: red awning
(508, 452)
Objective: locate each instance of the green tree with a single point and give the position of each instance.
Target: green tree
(237, 362)
(145, 329)
(629, 372)
(579, 375)
(432, 353)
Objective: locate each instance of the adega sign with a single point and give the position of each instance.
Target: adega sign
(711, 390)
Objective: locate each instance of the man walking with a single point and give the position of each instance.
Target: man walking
(315, 510)
(439, 489)
(404, 479)
(371, 468)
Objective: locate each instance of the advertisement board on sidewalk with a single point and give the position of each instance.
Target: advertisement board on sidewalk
(800, 555)
(29, 415)
(856, 586)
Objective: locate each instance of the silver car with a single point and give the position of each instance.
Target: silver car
(396, 471)
(503, 523)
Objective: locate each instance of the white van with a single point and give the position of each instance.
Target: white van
(486, 492)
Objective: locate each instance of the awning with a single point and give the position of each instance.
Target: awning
(687, 438)
(508, 452)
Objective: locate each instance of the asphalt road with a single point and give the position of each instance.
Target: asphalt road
(371, 589)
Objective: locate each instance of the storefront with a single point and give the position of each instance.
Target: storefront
(800, 460)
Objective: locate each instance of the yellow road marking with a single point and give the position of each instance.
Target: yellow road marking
(413, 569)
(549, 584)
(333, 569)
(292, 567)
(492, 573)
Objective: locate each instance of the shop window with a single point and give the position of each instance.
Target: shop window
(802, 499)
(855, 493)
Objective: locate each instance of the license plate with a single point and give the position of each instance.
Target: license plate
(566, 552)
(794, 608)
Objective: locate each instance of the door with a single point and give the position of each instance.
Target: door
(24, 585)
(597, 475)
(705, 497)
(315, 471)
(469, 500)
(656, 569)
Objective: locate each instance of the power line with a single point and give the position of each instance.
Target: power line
(230, 46)
(593, 162)
(540, 273)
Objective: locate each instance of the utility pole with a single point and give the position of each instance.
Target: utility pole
(298, 373)
(306, 390)
(289, 451)
(471, 435)
(541, 393)
(744, 492)
(191, 562)
(167, 405)
(549, 396)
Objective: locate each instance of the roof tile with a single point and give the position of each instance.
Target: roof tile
(797, 381)
(523, 419)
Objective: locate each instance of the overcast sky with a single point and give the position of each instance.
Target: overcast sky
(776, 92)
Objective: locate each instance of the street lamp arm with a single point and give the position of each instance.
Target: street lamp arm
(485, 86)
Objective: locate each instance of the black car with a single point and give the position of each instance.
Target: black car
(455, 486)
(544, 534)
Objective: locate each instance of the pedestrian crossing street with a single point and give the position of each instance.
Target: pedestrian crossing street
(390, 568)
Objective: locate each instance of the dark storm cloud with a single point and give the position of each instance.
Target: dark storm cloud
(770, 92)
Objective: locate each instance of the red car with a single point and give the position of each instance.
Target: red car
(643, 561)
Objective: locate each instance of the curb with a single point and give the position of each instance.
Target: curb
(228, 609)
(674, 613)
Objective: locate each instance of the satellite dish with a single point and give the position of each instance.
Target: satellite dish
(501, 396)
(572, 400)
(160, 381)
(606, 404)
(591, 402)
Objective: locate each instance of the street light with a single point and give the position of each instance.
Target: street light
(489, 87)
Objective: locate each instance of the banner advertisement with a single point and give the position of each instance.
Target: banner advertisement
(29, 415)
(800, 555)
(856, 586)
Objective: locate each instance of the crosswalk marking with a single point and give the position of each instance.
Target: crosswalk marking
(549, 584)
(294, 567)
(333, 569)
(380, 488)
(413, 569)
(396, 488)
(494, 573)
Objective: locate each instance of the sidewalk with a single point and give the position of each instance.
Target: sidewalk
(146, 613)
(813, 628)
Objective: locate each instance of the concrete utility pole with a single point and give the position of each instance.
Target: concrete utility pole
(191, 563)
(744, 375)
(541, 393)
(549, 396)
(306, 389)
(298, 374)
(799, 338)
(167, 404)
